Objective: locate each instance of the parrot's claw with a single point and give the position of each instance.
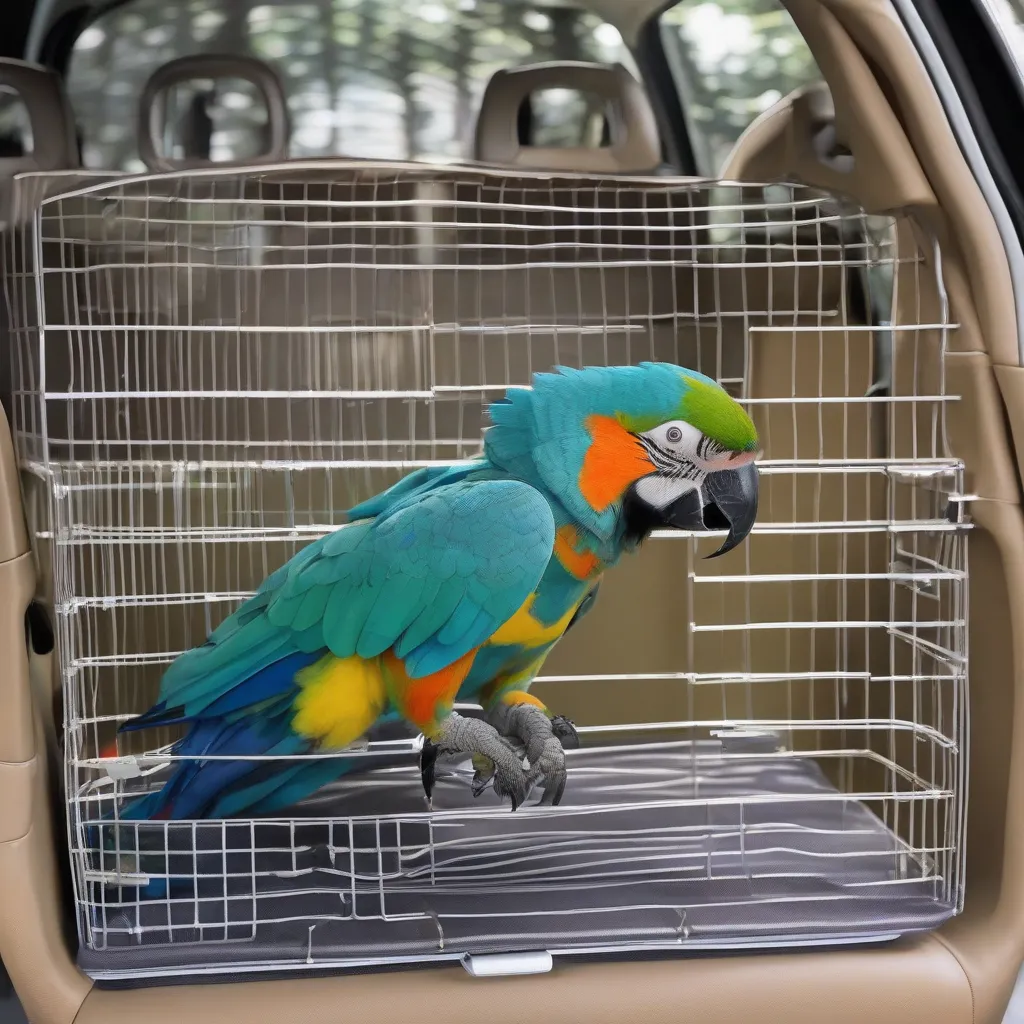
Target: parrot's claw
(428, 766)
(565, 732)
(494, 759)
(482, 775)
(549, 768)
(545, 740)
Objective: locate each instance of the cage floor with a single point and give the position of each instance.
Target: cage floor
(672, 845)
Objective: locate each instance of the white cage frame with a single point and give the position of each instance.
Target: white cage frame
(181, 434)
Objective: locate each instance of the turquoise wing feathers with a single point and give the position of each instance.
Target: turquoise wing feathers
(431, 577)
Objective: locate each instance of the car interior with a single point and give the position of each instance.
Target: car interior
(832, 257)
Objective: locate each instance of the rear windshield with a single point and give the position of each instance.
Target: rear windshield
(385, 79)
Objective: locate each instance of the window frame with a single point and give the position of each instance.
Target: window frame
(679, 121)
(988, 83)
(673, 122)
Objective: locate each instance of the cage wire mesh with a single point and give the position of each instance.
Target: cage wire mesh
(211, 367)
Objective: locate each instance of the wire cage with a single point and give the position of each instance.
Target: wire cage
(211, 367)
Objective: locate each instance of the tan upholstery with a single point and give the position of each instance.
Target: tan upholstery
(54, 146)
(762, 152)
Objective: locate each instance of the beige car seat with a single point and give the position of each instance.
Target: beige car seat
(52, 162)
(763, 151)
(54, 145)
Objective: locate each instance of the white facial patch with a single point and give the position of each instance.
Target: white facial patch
(677, 440)
(678, 443)
(660, 491)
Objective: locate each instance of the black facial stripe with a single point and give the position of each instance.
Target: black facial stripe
(669, 463)
(663, 460)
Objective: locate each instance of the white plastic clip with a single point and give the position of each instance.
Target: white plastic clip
(120, 768)
(507, 965)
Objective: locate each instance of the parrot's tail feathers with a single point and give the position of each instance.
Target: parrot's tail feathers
(281, 787)
(268, 683)
(156, 716)
(151, 807)
(261, 689)
(202, 675)
(203, 782)
(214, 759)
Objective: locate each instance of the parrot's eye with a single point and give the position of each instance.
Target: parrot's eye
(676, 440)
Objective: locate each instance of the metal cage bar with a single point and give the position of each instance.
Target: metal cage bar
(211, 367)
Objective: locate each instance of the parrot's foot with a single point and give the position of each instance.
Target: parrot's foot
(545, 739)
(565, 732)
(494, 759)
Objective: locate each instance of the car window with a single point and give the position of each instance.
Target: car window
(731, 61)
(1008, 16)
(385, 79)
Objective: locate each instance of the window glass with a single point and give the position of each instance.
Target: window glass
(194, 108)
(1009, 17)
(385, 79)
(564, 118)
(731, 61)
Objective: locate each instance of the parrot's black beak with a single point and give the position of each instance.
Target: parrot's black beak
(730, 503)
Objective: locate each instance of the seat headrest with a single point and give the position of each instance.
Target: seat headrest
(54, 144)
(767, 148)
(634, 145)
(153, 107)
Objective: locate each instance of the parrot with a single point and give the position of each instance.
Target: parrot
(451, 586)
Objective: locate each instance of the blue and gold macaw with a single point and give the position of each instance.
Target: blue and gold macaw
(454, 584)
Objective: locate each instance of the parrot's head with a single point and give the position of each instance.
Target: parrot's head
(628, 449)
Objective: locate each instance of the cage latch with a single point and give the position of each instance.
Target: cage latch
(735, 740)
(507, 965)
(956, 511)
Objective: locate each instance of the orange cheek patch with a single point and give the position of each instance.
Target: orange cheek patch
(580, 564)
(612, 462)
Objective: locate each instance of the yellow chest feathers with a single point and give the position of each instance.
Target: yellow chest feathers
(338, 700)
(523, 629)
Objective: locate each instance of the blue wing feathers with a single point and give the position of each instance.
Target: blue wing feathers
(276, 679)
(283, 788)
(310, 610)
